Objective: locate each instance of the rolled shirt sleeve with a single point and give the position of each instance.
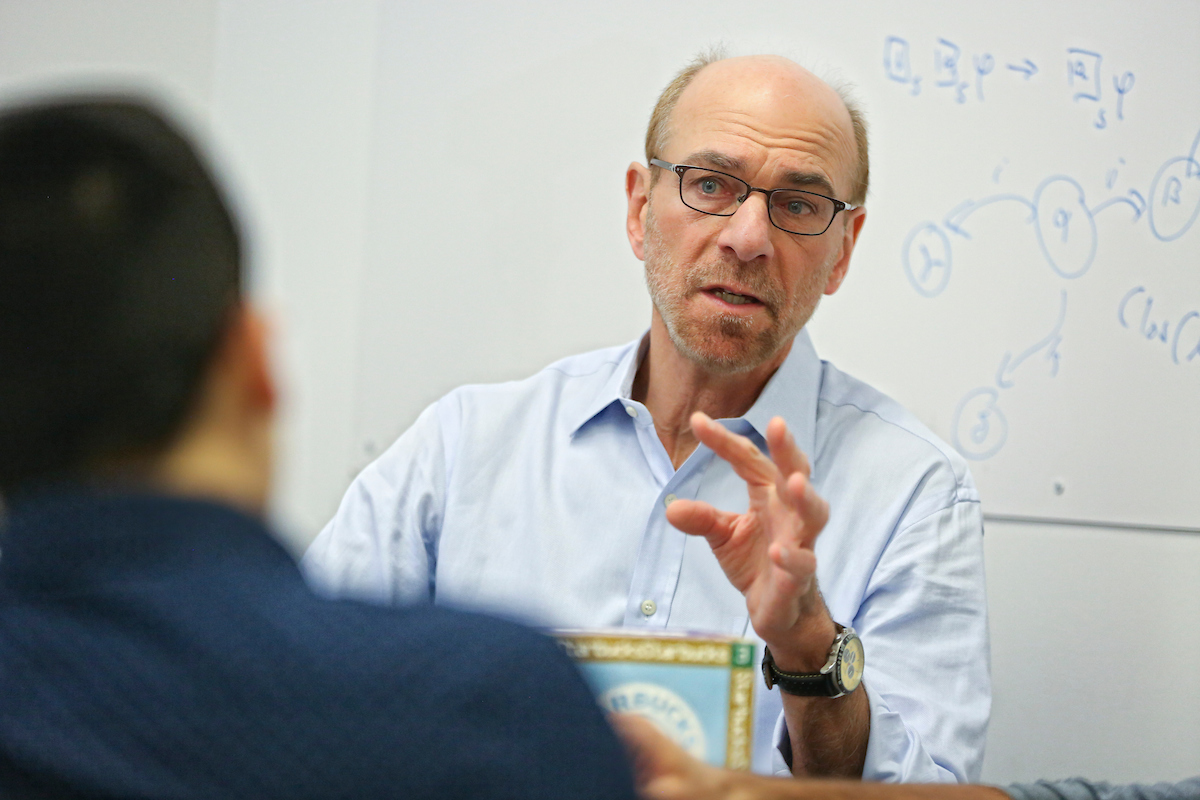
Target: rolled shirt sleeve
(929, 705)
(924, 626)
(381, 545)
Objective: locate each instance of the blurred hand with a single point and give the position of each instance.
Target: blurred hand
(661, 769)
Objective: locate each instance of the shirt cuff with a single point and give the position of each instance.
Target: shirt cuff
(896, 754)
(781, 754)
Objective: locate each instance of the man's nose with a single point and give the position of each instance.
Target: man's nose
(747, 234)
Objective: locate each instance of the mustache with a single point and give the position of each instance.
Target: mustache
(732, 272)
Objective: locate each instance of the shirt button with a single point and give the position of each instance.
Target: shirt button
(648, 608)
(669, 499)
(631, 411)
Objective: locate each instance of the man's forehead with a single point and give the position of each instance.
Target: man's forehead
(766, 104)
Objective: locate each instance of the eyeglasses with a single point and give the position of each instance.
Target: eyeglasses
(721, 194)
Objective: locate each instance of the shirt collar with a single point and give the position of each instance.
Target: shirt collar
(619, 386)
(790, 393)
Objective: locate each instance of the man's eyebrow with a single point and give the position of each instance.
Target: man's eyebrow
(811, 181)
(711, 158)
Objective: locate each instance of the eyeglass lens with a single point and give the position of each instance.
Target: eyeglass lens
(792, 210)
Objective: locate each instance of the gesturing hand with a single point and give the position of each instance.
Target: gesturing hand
(766, 552)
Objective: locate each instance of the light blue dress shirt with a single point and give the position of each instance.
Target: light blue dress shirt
(544, 500)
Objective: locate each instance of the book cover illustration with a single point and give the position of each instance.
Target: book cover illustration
(698, 689)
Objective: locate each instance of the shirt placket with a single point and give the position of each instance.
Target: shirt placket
(660, 558)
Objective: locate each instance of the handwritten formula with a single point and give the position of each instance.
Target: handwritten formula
(945, 68)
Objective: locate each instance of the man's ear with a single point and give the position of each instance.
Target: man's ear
(245, 360)
(850, 231)
(637, 196)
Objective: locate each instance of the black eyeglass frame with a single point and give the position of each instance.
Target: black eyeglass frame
(680, 169)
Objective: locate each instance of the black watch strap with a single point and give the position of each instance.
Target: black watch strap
(840, 676)
(800, 684)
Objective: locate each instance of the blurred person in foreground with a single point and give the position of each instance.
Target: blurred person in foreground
(663, 771)
(155, 639)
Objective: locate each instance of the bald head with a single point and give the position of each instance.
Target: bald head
(789, 101)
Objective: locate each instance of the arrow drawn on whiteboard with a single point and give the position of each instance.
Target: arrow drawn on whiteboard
(1028, 69)
(958, 215)
(1139, 202)
(1009, 365)
(1135, 200)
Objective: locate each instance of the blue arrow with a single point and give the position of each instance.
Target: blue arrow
(958, 215)
(1008, 364)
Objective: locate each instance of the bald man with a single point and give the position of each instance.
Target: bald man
(680, 482)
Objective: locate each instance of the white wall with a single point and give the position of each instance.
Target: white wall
(1095, 641)
(291, 109)
(165, 48)
(1095, 631)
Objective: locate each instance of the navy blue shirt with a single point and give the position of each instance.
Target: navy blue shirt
(160, 647)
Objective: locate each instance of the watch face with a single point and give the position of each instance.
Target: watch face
(850, 665)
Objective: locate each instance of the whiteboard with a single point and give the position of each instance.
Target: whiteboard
(1027, 281)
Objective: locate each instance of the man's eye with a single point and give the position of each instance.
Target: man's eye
(709, 186)
(799, 208)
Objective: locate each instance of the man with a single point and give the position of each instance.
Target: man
(155, 640)
(665, 772)
(564, 498)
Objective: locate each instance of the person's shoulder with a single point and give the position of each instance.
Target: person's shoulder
(854, 418)
(508, 695)
(514, 688)
(342, 623)
(428, 644)
(437, 626)
(311, 643)
(567, 384)
(396, 696)
(592, 366)
(594, 362)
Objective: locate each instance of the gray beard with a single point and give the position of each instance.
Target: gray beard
(700, 342)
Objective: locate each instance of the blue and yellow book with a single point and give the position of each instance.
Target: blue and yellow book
(698, 689)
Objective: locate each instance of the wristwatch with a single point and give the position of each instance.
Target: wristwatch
(841, 674)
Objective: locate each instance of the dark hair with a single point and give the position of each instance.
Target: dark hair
(119, 266)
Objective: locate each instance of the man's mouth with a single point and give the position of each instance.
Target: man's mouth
(733, 298)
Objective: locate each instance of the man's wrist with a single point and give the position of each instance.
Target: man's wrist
(808, 649)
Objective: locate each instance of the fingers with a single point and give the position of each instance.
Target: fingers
(784, 452)
(650, 751)
(745, 457)
(812, 508)
(701, 519)
(787, 470)
(662, 769)
(742, 454)
(780, 597)
(798, 561)
(640, 734)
